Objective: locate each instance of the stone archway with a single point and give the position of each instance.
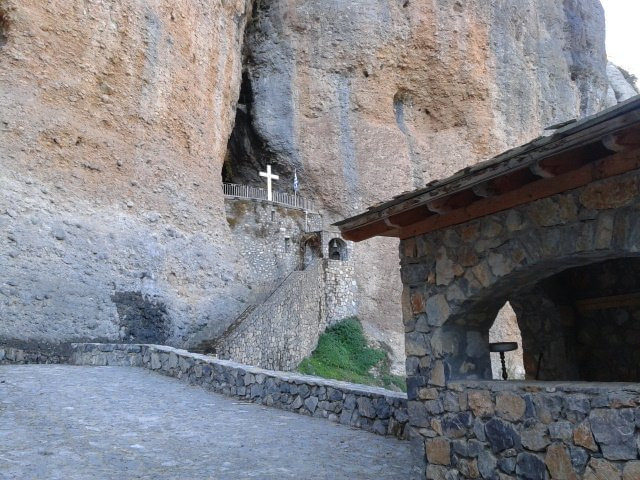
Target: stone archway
(553, 228)
(534, 256)
(475, 267)
(557, 319)
(337, 249)
(505, 328)
(312, 250)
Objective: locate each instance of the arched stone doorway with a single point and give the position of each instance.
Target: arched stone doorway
(337, 249)
(312, 251)
(580, 324)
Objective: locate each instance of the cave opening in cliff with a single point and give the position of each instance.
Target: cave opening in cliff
(246, 151)
(4, 27)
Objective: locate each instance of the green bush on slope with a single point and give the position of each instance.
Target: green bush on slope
(343, 354)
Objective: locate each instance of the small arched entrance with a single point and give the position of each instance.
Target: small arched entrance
(311, 252)
(337, 249)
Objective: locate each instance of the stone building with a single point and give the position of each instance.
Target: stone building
(303, 282)
(553, 228)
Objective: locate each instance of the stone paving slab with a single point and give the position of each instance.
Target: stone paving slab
(72, 422)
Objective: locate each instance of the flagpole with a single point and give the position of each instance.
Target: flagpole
(295, 186)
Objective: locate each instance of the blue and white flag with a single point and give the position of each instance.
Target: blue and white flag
(296, 185)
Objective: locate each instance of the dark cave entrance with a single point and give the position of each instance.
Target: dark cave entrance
(143, 319)
(246, 153)
(4, 27)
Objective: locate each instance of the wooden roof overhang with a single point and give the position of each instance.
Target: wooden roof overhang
(575, 155)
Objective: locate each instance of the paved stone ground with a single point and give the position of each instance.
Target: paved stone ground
(69, 422)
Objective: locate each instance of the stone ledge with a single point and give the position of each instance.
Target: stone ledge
(543, 386)
(370, 408)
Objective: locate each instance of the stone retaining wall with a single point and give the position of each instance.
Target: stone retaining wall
(374, 409)
(284, 330)
(269, 238)
(530, 430)
(11, 355)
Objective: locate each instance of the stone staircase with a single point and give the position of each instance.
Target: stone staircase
(208, 347)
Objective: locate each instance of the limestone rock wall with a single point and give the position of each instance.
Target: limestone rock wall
(115, 118)
(116, 115)
(620, 88)
(368, 99)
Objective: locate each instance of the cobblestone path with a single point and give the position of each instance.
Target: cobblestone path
(68, 422)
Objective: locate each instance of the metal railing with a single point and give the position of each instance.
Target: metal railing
(246, 191)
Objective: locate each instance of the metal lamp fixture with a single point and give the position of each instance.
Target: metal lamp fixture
(501, 348)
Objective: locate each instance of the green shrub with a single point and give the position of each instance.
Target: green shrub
(343, 354)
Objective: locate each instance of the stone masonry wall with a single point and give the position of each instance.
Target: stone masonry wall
(341, 290)
(369, 408)
(12, 355)
(269, 238)
(284, 329)
(455, 281)
(531, 430)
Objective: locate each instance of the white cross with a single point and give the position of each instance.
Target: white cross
(270, 177)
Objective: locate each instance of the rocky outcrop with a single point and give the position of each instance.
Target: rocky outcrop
(620, 87)
(115, 119)
(368, 99)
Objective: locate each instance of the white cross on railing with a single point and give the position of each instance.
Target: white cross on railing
(269, 177)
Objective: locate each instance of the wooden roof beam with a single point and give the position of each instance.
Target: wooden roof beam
(408, 217)
(621, 141)
(594, 171)
(512, 181)
(540, 171)
(366, 231)
(484, 190)
(452, 202)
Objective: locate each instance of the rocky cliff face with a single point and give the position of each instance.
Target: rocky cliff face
(368, 99)
(116, 115)
(115, 119)
(621, 88)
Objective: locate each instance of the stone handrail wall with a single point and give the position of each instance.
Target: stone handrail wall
(370, 408)
(341, 290)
